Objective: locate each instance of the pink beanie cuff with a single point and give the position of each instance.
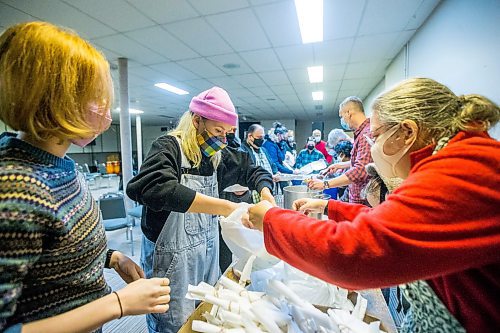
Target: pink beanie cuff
(215, 104)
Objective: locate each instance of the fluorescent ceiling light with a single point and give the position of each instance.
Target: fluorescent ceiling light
(315, 74)
(310, 15)
(171, 88)
(317, 95)
(131, 111)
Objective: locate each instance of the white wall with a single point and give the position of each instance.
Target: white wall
(368, 101)
(458, 46)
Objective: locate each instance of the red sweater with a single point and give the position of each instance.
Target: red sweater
(442, 225)
(321, 146)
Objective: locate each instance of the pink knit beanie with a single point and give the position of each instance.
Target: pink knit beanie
(215, 104)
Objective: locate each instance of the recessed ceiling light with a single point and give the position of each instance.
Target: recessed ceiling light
(168, 87)
(317, 95)
(131, 111)
(231, 66)
(315, 74)
(310, 15)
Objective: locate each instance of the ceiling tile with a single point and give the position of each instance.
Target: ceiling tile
(148, 73)
(232, 58)
(262, 91)
(353, 84)
(387, 16)
(261, 2)
(59, 13)
(333, 73)
(299, 56)
(421, 14)
(162, 42)
(198, 35)
(249, 80)
(281, 90)
(274, 78)
(10, 16)
(128, 48)
(200, 85)
(165, 11)
(134, 81)
(106, 12)
(262, 60)
(374, 47)
(225, 82)
(298, 75)
(217, 6)
(333, 52)
(361, 69)
(341, 18)
(291, 100)
(280, 23)
(201, 67)
(243, 92)
(332, 87)
(240, 29)
(175, 71)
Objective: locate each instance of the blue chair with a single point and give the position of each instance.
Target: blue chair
(114, 215)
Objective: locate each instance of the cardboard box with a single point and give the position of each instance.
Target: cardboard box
(386, 324)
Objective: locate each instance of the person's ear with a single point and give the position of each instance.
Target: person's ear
(196, 121)
(409, 130)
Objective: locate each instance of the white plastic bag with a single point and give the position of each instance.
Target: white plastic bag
(309, 288)
(244, 242)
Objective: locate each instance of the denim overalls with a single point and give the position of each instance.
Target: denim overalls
(186, 252)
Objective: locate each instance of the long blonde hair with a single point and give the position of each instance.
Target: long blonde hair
(187, 133)
(437, 111)
(48, 77)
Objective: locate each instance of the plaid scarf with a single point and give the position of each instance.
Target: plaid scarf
(209, 145)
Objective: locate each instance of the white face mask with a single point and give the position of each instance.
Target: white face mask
(386, 164)
(317, 139)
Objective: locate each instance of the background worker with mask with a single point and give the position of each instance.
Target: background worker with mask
(321, 145)
(351, 112)
(308, 155)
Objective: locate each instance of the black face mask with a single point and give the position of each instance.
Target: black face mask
(258, 142)
(230, 136)
(310, 147)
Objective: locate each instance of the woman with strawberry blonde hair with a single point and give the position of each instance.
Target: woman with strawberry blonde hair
(55, 90)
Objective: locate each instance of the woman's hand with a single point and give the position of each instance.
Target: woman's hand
(256, 214)
(126, 267)
(316, 184)
(145, 296)
(265, 194)
(308, 205)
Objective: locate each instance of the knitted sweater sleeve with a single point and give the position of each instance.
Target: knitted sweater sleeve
(25, 217)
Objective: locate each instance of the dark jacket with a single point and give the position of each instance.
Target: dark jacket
(248, 149)
(158, 188)
(276, 152)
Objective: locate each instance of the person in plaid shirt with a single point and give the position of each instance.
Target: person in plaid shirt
(352, 115)
(308, 155)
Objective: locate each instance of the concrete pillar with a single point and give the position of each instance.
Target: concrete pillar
(125, 128)
(138, 131)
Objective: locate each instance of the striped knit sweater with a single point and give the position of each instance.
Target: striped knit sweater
(52, 244)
